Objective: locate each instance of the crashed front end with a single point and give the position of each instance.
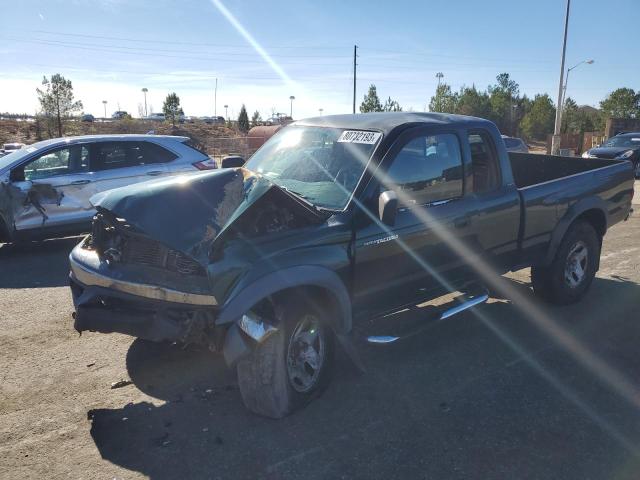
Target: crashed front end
(122, 281)
(144, 270)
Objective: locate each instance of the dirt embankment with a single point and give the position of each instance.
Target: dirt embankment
(215, 139)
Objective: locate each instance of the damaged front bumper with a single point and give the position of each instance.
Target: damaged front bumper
(118, 299)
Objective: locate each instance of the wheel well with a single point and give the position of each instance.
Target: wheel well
(596, 218)
(318, 297)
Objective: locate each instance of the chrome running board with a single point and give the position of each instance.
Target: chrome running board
(471, 302)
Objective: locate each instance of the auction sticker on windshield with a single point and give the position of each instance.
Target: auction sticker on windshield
(358, 136)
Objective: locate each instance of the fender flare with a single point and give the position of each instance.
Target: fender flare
(299, 276)
(577, 209)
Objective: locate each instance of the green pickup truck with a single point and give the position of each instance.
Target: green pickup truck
(334, 220)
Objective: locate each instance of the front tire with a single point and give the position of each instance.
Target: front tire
(292, 366)
(570, 274)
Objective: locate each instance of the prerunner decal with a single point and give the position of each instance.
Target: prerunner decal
(359, 136)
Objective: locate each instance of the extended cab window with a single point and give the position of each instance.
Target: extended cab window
(484, 162)
(428, 169)
(72, 159)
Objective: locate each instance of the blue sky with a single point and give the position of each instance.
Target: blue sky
(264, 51)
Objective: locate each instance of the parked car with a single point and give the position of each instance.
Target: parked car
(214, 120)
(119, 115)
(278, 120)
(45, 188)
(8, 148)
(157, 117)
(87, 117)
(336, 220)
(624, 146)
(515, 144)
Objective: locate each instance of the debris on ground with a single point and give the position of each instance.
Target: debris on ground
(120, 384)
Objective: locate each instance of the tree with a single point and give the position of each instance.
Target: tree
(444, 100)
(474, 103)
(503, 96)
(570, 114)
(371, 102)
(243, 120)
(539, 121)
(256, 118)
(391, 106)
(56, 99)
(171, 108)
(622, 103)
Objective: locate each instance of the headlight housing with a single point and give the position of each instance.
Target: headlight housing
(626, 154)
(586, 154)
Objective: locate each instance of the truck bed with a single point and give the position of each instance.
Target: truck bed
(530, 169)
(550, 185)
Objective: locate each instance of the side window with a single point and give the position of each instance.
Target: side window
(428, 169)
(73, 159)
(111, 155)
(154, 153)
(484, 162)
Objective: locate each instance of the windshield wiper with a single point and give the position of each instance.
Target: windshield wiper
(304, 199)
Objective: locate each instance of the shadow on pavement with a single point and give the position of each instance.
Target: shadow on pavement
(452, 402)
(36, 264)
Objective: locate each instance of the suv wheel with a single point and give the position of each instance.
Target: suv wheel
(290, 367)
(570, 274)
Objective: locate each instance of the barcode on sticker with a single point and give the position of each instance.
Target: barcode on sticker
(358, 136)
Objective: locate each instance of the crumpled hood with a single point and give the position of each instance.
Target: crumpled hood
(188, 213)
(608, 152)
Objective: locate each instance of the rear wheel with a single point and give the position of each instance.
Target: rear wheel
(570, 274)
(290, 367)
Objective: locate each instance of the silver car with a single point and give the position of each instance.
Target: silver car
(45, 187)
(515, 144)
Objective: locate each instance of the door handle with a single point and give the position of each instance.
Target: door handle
(80, 182)
(154, 173)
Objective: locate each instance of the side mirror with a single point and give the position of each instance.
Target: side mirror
(17, 175)
(232, 161)
(388, 207)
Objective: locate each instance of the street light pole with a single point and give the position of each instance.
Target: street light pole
(104, 102)
(564, 90)
(145, 90)
(439, 76)
(226, 112)
(291, 99)
(321, 110)
(555, 141)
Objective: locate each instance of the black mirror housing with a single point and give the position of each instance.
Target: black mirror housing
(232, 161)
(388, 207)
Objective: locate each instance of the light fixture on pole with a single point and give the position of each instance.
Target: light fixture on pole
(104, 102)
(321, 110)
(564, 90)
(291, 99)
(145, 90)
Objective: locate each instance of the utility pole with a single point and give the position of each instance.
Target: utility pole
(555, 141)
(215, 100)
(355, 55)
(104, 102)
(439, 76)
